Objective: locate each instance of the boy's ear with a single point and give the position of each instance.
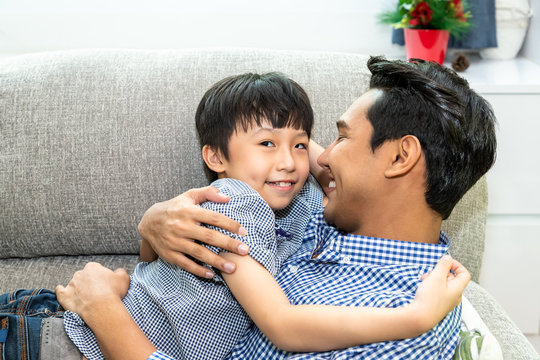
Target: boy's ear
(407, 152)
(212, 158)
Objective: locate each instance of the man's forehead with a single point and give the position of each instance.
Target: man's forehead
(358, 109)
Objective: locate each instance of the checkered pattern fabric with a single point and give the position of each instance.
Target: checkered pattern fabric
(353, 270)
(187, 317)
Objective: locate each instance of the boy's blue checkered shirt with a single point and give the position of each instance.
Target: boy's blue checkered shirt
(354, 270)
(187, 317)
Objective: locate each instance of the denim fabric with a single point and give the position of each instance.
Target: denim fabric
(21, 313)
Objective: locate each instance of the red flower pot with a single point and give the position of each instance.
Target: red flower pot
(426, 44)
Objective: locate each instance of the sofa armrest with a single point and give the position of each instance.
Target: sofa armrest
(513, 343)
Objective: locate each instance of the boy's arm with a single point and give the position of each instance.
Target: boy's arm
(146, 252)
(315, 150)
(322, 328)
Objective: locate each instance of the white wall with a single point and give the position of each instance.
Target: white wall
(340, 25)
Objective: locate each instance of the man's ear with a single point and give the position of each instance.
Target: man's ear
(407, 152)
(213, 159)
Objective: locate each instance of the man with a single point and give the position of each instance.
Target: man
(406, 152)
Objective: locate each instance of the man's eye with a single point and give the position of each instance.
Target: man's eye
(301, 146)
(267, 143)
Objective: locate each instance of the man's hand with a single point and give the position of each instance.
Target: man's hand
(170, 228)
(91, 287)
(440, 291)
(96, 293)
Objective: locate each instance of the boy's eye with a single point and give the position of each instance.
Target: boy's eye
(267, 143)
(301, 146)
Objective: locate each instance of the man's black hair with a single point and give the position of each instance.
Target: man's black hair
(248, 99)
(455, 126)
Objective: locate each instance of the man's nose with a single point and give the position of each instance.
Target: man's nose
(322, 160)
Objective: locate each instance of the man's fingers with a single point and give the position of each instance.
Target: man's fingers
(219, 220)
(207, 193)
(216, 196)
(59, 289)
(222, 241)
(190, 266)
(206, 256)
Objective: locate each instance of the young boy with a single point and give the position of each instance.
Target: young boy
(254, 132)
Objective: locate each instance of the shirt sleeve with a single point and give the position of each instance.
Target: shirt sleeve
(158, 355)
(248, 208)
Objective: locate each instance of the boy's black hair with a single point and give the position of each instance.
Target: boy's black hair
(455, 126)
(247, 99)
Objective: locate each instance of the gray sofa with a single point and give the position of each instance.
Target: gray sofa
(91, 138)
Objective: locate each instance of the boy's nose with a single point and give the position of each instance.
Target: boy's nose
(286, 161)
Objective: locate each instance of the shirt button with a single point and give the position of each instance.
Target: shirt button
(347, 259)
(293, 269)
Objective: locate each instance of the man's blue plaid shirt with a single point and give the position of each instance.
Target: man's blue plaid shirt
(354, 270)
(187, 317)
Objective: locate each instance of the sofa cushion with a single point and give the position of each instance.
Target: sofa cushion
(92, 138)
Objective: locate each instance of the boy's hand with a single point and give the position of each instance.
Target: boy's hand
(92, 287)
(440, 291)
(170, 227)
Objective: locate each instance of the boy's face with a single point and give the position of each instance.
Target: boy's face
(274, 162)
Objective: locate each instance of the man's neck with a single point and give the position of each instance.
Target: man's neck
(420, 225)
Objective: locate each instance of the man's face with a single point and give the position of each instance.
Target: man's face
(355, 170)
(273, 161)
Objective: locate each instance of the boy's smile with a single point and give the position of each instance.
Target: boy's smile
(273, 161)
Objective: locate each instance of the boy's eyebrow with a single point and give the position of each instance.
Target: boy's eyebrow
(271, 129)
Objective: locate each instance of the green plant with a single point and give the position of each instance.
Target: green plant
(450, 15)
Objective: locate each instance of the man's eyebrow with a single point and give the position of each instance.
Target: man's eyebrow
(342, 125)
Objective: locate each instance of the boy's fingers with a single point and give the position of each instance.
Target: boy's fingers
(443, 266)
(461, 273)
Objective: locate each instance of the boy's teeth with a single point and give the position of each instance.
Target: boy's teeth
(281, 183)
(332, 184)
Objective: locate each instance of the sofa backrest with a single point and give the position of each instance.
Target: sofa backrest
(92, 138)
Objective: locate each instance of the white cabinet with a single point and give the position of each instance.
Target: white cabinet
(512, 255)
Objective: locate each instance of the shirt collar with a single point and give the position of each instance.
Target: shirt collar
(336, 246)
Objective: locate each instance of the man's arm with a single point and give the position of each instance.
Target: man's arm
(169, 228)
(322, 328)
(95, 293)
